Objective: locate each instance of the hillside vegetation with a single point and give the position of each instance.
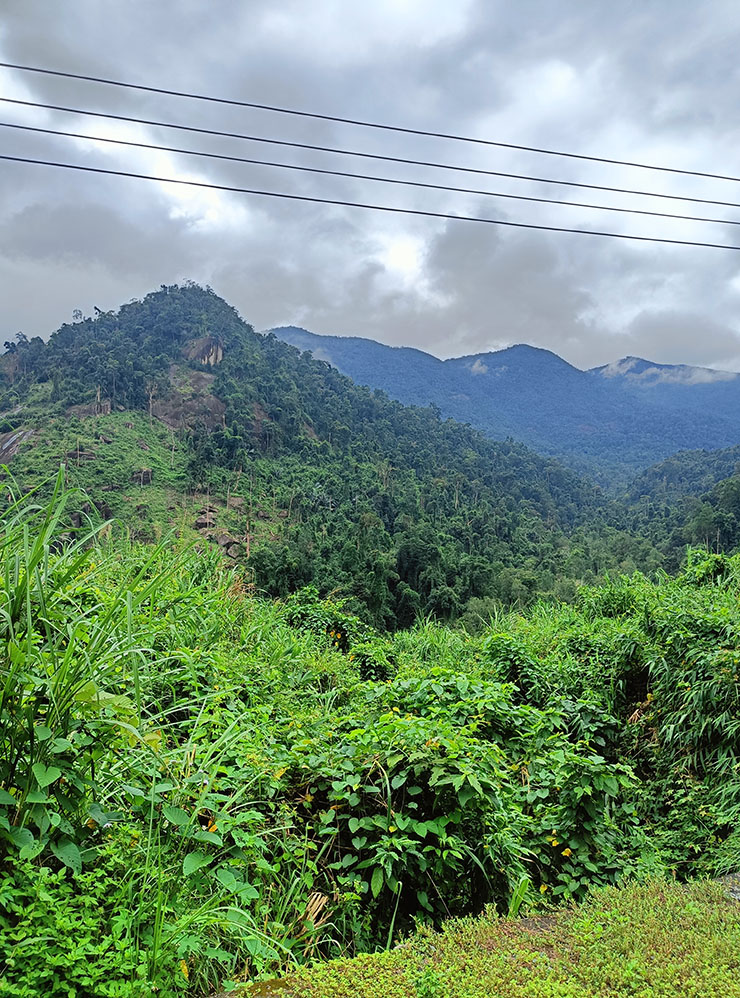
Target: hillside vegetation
(173, 410)
(198, 785)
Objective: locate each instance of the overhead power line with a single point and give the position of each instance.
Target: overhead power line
(362, 155)
(360, 176)
(358, 204)
(364, 124)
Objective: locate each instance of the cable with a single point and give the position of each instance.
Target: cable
(362, 155)
(365, 124)
(362, 176)
(358, 204)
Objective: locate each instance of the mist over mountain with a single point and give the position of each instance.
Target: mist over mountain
(612, 421)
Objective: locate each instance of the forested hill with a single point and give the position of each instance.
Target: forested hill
(308, 478)
(693, 497)
(687, 473)
(611, 421)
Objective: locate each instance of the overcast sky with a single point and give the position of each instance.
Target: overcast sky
(655, 81)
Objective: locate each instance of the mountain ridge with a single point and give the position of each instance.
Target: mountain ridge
(612, 421)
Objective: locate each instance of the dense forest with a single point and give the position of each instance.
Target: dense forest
(199, 786)
(335, 484)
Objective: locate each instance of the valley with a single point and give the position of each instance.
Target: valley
(299, 680)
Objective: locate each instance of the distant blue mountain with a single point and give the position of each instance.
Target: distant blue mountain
(612, 421)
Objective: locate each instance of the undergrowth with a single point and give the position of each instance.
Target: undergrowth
(200, 787)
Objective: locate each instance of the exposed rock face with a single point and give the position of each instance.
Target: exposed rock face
(101, 407)
(209, 350)
(205, 522)
(78, 517)
(10, 443)
(142, 477)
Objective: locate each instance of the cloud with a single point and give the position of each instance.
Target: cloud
(636, 371)
(539, 74)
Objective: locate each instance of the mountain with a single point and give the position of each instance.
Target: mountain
(611, 421)
(173, 411)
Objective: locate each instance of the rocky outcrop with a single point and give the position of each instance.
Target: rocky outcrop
(101, 407)
(10, 443)
(208, 350)
(80, 455)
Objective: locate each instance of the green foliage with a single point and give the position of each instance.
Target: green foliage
(336, 486)
(198, 784)
(84, 951)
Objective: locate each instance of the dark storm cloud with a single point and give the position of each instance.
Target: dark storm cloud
(655, 81)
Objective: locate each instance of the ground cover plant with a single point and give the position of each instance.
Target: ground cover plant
(659, 940)
(200, 785)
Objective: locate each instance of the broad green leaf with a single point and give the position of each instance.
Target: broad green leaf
(67, 852)
(6, 798)
(45, 775)
(226, 878)
(42, 733)
(32, 849)
(37, 797)
(212, 837)
(176, 815)
(376, 883)
(21, 837)
(193, 862)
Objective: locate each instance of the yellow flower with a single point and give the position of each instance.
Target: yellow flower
(554, 843)
(184, 969)
(543, 888)
(567, 852)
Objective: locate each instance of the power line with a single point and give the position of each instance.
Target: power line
(359, 204)
(363, 155)
(361, 176)
(366, 124)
